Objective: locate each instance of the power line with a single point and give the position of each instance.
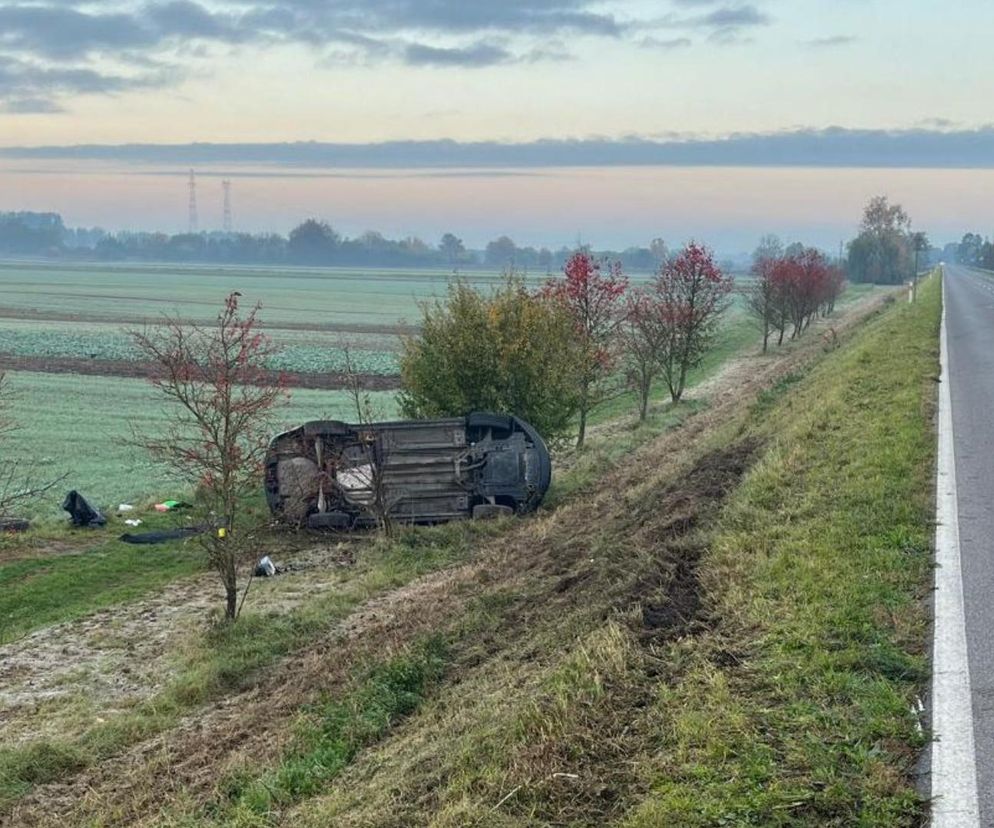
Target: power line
(226, 186)
(193, 223)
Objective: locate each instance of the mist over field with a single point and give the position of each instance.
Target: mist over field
(607, 207)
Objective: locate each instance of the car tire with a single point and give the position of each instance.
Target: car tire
(483, 419)
(330, 520)
(326, 428)
(490, 511)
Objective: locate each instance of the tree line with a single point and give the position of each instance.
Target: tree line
(312, 242)
(791, 286)
(975, 251)
(886, 250)
(554, 354)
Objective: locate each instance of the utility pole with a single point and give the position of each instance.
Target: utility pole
(193, 225)
(226, 187)
(920, 242)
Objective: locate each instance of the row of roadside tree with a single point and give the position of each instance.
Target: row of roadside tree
(790, 288)
(552, 355)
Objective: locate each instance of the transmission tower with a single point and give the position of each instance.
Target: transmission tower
(226, 186)
(192, 221)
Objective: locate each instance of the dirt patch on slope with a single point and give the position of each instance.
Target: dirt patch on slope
(677, 608)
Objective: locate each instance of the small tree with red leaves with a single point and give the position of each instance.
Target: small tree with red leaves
(790, 290)
(593, 300)
(221, 398)
(691, 292)
(809, 286)
(783, 276)
(766, 297)
(644, 336)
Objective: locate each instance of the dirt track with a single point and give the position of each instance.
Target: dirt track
(126, 368)
(138, 321)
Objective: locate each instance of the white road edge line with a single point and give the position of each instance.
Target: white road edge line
(954, 769)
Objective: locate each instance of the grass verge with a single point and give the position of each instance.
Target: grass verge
(734, 337)
(330, 734)
(799, 710)
(36, 592)
(232, 657)
(764, 667)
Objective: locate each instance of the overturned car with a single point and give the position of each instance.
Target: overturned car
(332, 475)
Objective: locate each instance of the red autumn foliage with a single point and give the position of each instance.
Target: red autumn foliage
(593, 299)
(766, 297)
(790, 290)
(643, 338)
(689, 294)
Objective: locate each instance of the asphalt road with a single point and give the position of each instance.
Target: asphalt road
(970, 336)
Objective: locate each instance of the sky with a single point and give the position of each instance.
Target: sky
(548, 119)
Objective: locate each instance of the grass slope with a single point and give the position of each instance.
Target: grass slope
(774, 680)
(232, 657)
(587, 712)
(36, 592)
(818, 569)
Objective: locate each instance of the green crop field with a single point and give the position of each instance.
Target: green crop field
(305, 351)
(82, 427)
(326, 296)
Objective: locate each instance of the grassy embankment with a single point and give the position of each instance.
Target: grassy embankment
(785, 697)
(788, 698)
(818, 568)
(226, 660)
(227, 663)
(45, 589)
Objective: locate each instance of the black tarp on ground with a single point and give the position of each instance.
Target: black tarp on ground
(164, 535)
(81, 512)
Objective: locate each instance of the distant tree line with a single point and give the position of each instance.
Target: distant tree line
(502, 252)
(312, 243)
(975, 251)
(31, 234)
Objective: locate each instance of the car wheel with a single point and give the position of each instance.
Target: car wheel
(330, 520)
(489, 511)
(481, 421)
